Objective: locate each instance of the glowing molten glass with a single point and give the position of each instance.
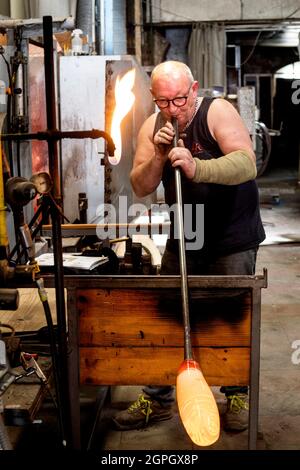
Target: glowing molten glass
(197, 406)
(124, 102)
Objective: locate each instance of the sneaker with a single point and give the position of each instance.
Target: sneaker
(141, 413)
(236, 415)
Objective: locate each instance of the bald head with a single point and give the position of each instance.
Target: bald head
(171, 70)
(172, 82)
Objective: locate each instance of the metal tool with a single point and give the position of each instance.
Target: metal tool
(188, 354)
(30, 365)
(197, 407)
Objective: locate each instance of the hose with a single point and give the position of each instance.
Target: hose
(44, 299)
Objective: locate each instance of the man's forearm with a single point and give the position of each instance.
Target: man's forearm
(146, 177)
(234, 168)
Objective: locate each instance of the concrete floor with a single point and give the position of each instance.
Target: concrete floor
(279, 415)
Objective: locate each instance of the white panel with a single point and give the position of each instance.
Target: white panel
(82, 104)
(82, 101)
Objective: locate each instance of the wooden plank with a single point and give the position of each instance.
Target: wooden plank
(122, 317)
(139, 366)
(30, 314)
(24, 398)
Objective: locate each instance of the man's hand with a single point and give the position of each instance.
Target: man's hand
(165, 135)
(182, 157)
(163, 141)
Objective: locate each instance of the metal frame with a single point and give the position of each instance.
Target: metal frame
(257, 77)
(254, 284)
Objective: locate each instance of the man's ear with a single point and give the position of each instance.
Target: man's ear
(195, 86)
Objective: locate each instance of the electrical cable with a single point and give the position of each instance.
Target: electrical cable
(54, 353)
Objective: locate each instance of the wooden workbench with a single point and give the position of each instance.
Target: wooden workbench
(128, 330)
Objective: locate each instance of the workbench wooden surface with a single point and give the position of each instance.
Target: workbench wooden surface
(30, 315)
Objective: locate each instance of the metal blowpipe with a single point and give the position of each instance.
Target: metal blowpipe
(197, 406)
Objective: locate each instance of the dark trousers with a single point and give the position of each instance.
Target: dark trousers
(234, 264)
(242, 262)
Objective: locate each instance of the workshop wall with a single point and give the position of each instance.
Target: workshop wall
(193, 10)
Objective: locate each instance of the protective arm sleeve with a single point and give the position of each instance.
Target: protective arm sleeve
(234, 168)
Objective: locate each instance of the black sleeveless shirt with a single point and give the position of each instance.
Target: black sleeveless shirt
(232, 220)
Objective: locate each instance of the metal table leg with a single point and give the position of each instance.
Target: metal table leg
(254, 368)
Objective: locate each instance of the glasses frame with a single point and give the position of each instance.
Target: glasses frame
(172, 101)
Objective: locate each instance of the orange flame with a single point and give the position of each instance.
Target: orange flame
(124, 102)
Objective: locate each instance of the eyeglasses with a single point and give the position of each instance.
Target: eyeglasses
(179, 101)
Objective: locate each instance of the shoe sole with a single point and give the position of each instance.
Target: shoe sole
(142, 424)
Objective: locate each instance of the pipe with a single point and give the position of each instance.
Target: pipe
(188, 354)
(56, 231)
(51, 103)
(196, 404)
(98, 48)
(105, 230)
(85, 19)
(55, 134)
